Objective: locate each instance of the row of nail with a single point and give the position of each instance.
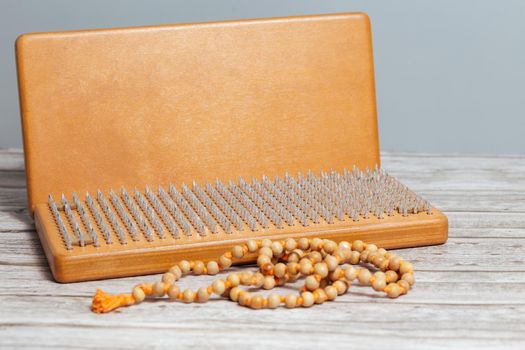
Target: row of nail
(258, 204)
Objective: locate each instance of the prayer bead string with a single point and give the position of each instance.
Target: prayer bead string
(329, 269)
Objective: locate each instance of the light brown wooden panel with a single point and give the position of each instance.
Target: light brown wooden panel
(128, 107)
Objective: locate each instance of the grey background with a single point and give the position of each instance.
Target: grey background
(449, 74)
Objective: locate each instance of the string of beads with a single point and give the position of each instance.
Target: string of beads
(329, 269)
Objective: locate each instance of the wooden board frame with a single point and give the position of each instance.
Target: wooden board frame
(127, 107)
(142, 257)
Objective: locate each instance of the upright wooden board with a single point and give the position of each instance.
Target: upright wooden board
(133, 106)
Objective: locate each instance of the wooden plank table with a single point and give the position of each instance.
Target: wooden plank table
(470, 292)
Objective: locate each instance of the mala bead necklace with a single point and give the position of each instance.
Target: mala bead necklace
(329, 269)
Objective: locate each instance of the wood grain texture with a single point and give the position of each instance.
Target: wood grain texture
(469, 291)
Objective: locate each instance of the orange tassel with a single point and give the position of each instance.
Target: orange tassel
(104, 302)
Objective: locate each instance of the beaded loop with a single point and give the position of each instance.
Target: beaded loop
(329, 269)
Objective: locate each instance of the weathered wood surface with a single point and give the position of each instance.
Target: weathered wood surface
(470, 292)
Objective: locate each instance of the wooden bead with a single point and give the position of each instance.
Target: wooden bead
(393, 290)
(184, 266)
(331, 262)
(257, 302)
(158, 289)
(371, 247)
(364, 255)
(246, 278)
(372, 257)
(299, 253)
(267, 268)
(350, 273)
(316, 244)
(344, 245)
(393, 263)
(277, 249)
(379, 284)
(341, 287)
(329, 246)
(364, 276)
(378, 261)
(234, 293)
(409, 277)
(173, 292)
(311, 283)
(308, 299)
(225, 261)
(315, 257)
(383, 266)
(354, 258)
(168, 277)
(331, 292)
(290, 301)
(252, 245)
(237, 252)
(274, 300)
(320, 296)
(404, 285)
(358, 246)
(266, 243)
(303, 243)
(212, 267)
(294, 257)
(290, 244)
(380, 275)
(245, 299)
(305, 267)
(279, 270)
(263, 260)
(234, 279)
(266, 251)
(218, 287)
(321, 269)
(336, 274)
(258, 280)
(382, 251)
(405, 267)
(293, 268)
(198, 268)
(203, 295)
(391, 276)
(176, 271)
(269, 282)
(305, 260)
(138, 294)
(188, 296)
(338, 255)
